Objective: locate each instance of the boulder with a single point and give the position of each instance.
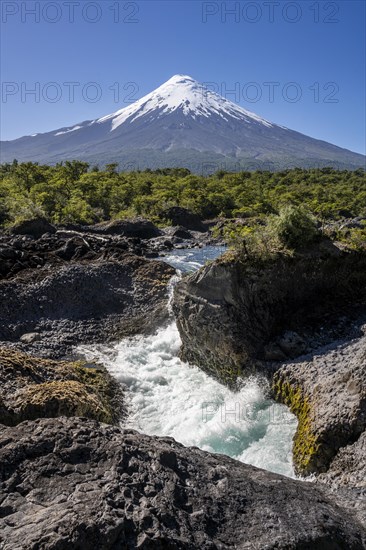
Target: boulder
(139, 227)
(177, 215)
(230, 311)
(30, 337)
(74, 248)
(180, 232)
(74, 483)
(327, 392)
(35, 228)
(32, 388)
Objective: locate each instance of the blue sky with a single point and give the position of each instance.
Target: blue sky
(300, 64)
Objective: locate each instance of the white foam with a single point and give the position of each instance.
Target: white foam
(168, 397)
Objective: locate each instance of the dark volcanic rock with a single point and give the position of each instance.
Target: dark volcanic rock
(177, 215)
(72, 483)
(75, 242)
(230, 310)
(346, 477)
(32, 388)
(36, 228)
(139, 227)
(83, 302)
(348, 469)
(179, 231)
(327, 392)
(21, 253)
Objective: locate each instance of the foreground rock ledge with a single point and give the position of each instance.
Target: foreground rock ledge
(73, 483)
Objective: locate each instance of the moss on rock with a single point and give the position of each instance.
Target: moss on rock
(306, 445)
(61, 398)
(33, 388)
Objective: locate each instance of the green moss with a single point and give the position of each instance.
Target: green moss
(61, 398)
(32, 387)
(98, 381)
(229, 374)
(306, 445)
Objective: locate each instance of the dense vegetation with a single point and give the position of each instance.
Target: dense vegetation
(293, 228)
(74, 192)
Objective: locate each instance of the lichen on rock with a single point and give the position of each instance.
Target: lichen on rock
(33, 388)
(327, 393)
(305, 445)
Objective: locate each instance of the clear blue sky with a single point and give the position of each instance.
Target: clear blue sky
(319, 46)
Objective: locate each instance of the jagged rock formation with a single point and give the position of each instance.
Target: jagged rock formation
(72, 483)
(348, 468)
(37, 243)
(229, 311)
(81, 301)
(31, 388)
(327, 393)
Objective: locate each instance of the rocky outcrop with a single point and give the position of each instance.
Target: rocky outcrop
(36, 243)
(348, 468)
(327, 392)
(138, 227)
(230, 311)
(32, 388)
(82, 302)
(176, 215)
(18, 253)
(73, 483)
(346, 477)
(35, 228)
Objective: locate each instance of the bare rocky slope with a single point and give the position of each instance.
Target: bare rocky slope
(62, 287)
(74, 483)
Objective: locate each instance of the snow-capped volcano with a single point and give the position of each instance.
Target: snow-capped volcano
(187, 95)
(181, 123)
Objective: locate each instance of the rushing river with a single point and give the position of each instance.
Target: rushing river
(168, 397)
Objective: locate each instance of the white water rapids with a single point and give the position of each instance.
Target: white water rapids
(168, 397)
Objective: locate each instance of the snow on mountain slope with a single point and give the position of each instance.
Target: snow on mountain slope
(185, 93)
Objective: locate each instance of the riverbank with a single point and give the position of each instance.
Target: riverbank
(96, 468)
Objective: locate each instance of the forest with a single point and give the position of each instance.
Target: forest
(75, 192)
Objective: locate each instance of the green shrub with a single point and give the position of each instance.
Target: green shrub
(283, 233)
(294, 227)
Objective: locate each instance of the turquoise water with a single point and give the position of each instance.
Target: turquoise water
(169, 397)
